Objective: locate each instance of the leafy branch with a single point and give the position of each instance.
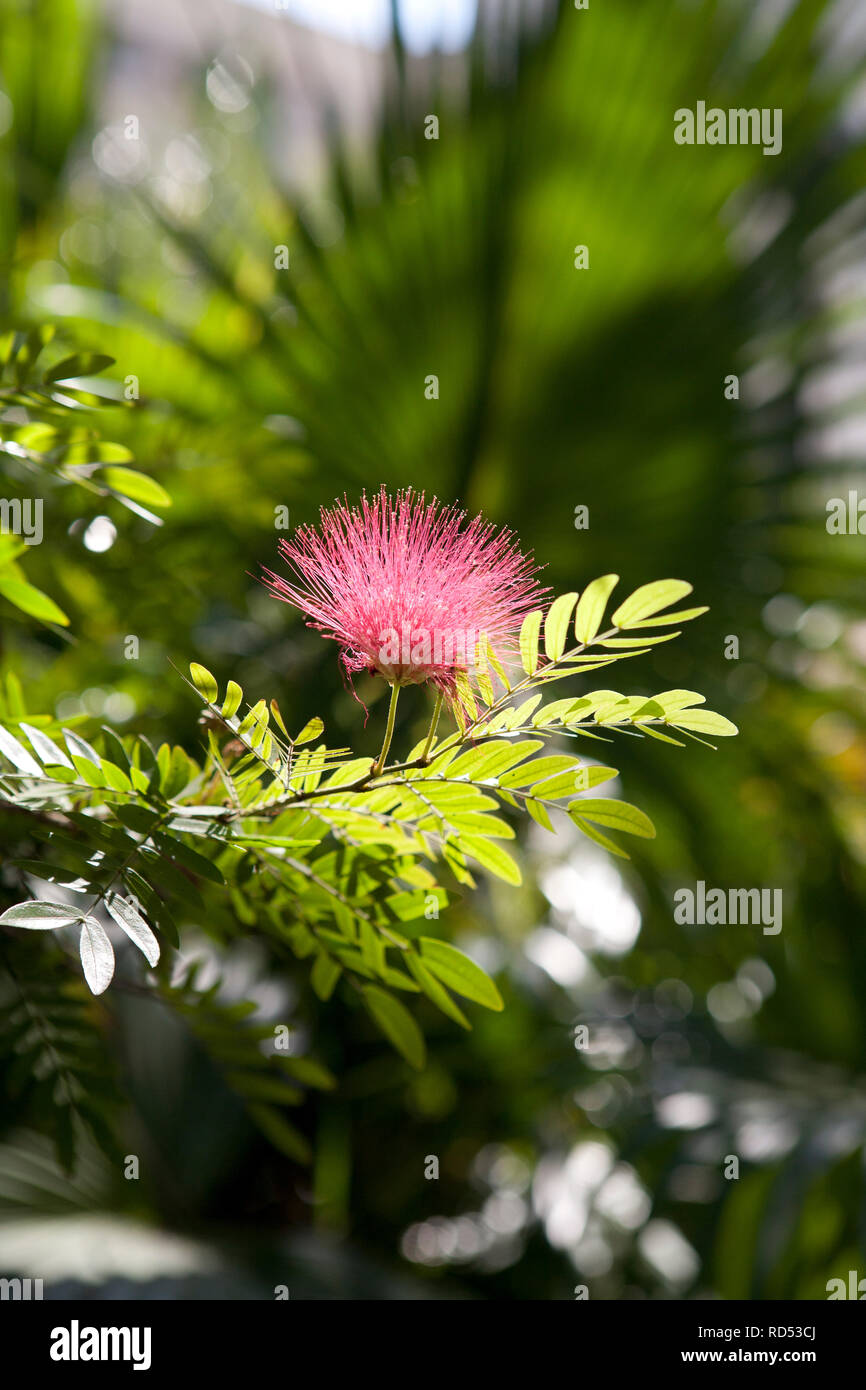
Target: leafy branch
(337, 858)
(46, 429)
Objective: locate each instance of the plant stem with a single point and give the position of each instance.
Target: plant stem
(389, 732)
(434, 725)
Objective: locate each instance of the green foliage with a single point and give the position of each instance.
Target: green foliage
(321, 850)
(57, 1074)
(266, 1081)
(558, 387)
(46, 428)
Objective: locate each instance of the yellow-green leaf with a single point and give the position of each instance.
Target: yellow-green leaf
(497, 666)
(137, 486)
(616, 815)
(485, 685)
(650, 599)
(704, 721)
(591, 606)
(203, 681)
(231, 703)
(529, 632)
(256, 719)
(460, 973)
(465, 694)
(671, 700)
(556, 625)
(275, 711)
(88, 772)
(115, 778)
(310, 731)
(434, 991)
(683, 615)
(31, 600)
(538, 812)
(491, 856)
(538, 769)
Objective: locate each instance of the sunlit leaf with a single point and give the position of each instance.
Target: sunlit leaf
(459, 972)
(492, 857)
(231, 703)
(97, 955)
(31, 600)
(18, 754)
(703, 721)
(138, 486)
(648, 600)
(131, 921)
(591, 605)
(40, 916)
(310, 731)
(204, 682)
(529, 633)
(615, 815)
(44, 747)
(556, 625)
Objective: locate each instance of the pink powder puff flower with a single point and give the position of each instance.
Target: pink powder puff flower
(408, 588)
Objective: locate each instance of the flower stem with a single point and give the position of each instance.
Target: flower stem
(434, 725)
(389, 732)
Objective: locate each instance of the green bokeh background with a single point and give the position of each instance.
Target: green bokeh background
(262, 388)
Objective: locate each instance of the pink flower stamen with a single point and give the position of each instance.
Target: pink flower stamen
(408, 588)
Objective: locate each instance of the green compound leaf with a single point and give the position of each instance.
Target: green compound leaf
(675, 699)
(310, 731)
(615, 815)
(591, 606)
(131, 921)
(704, 721)
(204, 682)
(137, 486)
(529, 641)
(460, 973)
(491, 856)
(81, 364)
(435, 992)
(684, 615)
(556, 625)
(40, 916)
(231, 703)
(31, 600)
(17, 754)
(538, 769)
(44, 747)
(97, 955)
(325, 974)
(397, 1024)
(650, 599)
